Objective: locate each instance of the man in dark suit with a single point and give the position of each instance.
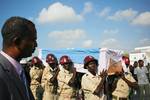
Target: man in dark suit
(19, 41)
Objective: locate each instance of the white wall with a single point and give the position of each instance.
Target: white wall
(137, 56)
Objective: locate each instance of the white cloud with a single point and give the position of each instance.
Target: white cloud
(127, 14)
(110, 43)
(145, 42)
(105, 12)
(88, 7)
(142, 19)
(111, 32)
(68, 34)
(67, 38)
(58, 12)
(87, 43)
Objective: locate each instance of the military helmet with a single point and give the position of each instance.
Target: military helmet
(65, 59)
(50, 58)
(36, 60)
(88, 59)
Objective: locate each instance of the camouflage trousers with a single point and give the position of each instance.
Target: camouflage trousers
(37, 91)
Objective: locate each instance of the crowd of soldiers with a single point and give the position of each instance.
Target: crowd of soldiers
(59, 80)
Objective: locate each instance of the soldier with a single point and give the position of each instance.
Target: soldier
(49, 78)
(122, 85)
(66, 79)
(36, 75)
(92, 84)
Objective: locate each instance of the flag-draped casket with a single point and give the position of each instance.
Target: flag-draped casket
(108, 58)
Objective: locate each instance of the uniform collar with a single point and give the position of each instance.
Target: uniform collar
(90, 74)
(65, 71)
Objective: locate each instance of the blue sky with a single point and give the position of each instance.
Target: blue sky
(116, 24)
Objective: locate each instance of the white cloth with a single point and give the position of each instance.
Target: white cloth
(106, 55)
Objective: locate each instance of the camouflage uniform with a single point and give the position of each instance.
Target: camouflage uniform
(122, 89)
(36, 88)
(89, 84)
(65, 91)
(50, 89)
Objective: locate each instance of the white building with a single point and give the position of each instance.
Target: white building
(140, 53)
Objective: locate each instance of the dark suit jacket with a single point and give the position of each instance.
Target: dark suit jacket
(11, 87)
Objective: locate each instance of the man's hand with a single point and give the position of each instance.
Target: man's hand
(122, 75)
(103, 74)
